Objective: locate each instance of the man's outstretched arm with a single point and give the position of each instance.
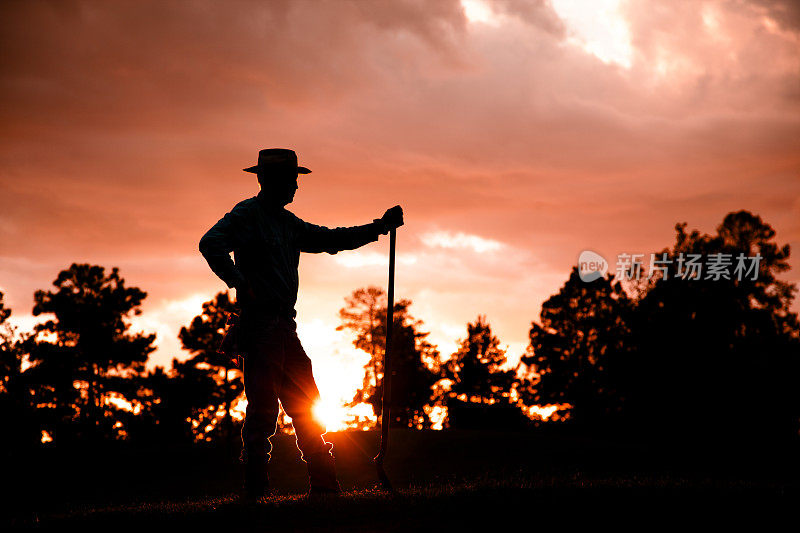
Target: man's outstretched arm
(315, 239)
(218, 242)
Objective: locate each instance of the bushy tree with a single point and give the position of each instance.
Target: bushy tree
(475, 386)
(475, 369)
(719, 357)
(85, 353)
(177, 409)
(582, 337)
(202, 339)
(365, 315)
(10, 358)
(16, 389)
(414, 359)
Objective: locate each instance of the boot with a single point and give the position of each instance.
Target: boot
(322, 475)
(256, 481)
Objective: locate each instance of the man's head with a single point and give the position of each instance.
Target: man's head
(277, 172)
(278, 190)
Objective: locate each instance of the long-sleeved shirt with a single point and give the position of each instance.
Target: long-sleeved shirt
(266, 242)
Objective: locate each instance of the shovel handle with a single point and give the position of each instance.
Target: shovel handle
(387, 360)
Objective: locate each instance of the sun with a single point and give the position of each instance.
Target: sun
(330, 414)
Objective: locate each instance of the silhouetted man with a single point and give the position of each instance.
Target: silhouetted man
(266, 240)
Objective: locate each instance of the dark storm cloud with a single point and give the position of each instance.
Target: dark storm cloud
(785, 12)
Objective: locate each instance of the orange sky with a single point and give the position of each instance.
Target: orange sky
(515, 134)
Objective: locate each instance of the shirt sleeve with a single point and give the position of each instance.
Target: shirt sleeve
(229, 233)
(312, 238)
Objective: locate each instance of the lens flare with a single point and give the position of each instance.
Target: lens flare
(332, 416)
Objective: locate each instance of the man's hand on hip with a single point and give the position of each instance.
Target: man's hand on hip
(245, 293)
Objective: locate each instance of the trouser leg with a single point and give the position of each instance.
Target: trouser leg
(261, 415)
(261, 382)
(298, 395)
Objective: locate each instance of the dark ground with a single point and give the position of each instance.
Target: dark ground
(466, 480)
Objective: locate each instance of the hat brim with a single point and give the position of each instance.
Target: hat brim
(254, 170)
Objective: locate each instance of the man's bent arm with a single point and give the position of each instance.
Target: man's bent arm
(315, 239)
(218, 242)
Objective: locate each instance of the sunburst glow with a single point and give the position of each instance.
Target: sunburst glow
(480, 12)
(597, 26)
(331, 415)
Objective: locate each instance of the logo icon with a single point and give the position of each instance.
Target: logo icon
(591, 266)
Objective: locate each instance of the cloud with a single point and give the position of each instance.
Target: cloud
(538, 13)
(355, 259)
(602, 31)
(446, 239)
(786, 13)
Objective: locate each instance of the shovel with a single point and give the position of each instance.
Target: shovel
(386, 418)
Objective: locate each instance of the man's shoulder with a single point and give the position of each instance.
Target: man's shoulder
(291, 217)
(246, 206)
(247, 203)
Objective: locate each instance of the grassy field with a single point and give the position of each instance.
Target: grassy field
(444, 480)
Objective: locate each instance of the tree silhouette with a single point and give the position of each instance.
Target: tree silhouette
(582, 335)
(176, 405)
(365, 315)
(85, 353)
(475, 368)
(476, 379)
(718, 357)
(16, 402)
(10, 357)
(202, 338)
(414, 360)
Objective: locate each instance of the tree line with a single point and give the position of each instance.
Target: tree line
(694, 358)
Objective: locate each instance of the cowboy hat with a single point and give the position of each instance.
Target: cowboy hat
(277, 160)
